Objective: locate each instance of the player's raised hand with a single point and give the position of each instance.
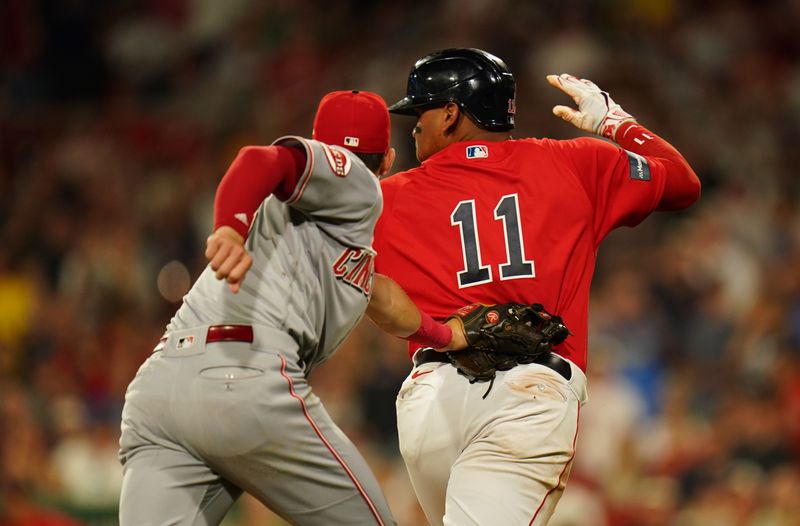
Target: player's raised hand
(227, 256)
(596, 113)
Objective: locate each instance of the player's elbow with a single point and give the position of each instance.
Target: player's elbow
(250, 155)
(682, 191)
(689, 193)
(695, 189)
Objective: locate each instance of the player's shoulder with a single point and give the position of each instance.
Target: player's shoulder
(392, 186)
(399, 179)
(550, 143)
(577, 143)
(339, 160)
(571, 150)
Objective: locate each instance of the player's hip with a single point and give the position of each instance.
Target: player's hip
(197, 339)
(434, 377)
(208, 382)
(436, 404)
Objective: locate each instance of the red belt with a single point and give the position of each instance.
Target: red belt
(230, 333)
(220, 333)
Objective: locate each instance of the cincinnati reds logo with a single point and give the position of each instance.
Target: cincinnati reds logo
(492, 317)
(356, 268)
(338, 160)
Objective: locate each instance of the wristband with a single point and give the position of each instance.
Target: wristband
(431, 333)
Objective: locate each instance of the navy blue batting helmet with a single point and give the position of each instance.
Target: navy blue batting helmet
(479, 82)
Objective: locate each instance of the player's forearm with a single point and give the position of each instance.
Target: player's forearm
(389, 310)
(392, 310)
(598, 113)
(682, 187)
(256, 173)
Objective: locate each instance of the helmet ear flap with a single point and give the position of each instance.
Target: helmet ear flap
(480, 83)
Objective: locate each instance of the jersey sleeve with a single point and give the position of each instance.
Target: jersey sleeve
(255, 173)
(624, 187)
(337, 191)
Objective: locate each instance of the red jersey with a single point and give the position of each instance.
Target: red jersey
(512, 221)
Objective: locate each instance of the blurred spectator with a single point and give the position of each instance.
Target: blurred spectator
(17, 508)
(84, 459)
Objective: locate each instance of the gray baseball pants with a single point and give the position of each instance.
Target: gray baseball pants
(203, 422)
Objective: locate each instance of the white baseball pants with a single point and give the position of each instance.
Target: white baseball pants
(504, 459)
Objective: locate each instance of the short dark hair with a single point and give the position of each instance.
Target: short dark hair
(371, 160)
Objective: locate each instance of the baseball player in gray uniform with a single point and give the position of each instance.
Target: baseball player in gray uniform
(223, 404)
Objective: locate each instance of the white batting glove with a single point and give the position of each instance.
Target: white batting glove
(596, 113)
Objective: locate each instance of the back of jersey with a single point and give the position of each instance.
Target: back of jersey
(496, 222)
(312, 258)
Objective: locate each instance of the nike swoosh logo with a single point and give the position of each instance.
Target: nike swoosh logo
(416, 374)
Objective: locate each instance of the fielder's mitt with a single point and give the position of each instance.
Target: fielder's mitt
(504, 336)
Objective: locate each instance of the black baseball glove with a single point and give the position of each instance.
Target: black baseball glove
(503, 336)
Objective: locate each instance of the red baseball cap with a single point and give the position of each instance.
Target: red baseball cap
(356, 120)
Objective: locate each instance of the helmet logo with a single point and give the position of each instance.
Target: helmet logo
(512, 106)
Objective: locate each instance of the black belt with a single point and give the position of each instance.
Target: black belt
(429, 355)
(220, 333)
(551, 360)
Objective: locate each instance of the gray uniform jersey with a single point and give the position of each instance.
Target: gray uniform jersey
(203, 422)
(312, 258)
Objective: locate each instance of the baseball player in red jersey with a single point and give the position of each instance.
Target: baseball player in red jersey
(223, 404)
(487, 218)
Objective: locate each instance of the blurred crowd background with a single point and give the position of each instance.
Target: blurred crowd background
(119, 117)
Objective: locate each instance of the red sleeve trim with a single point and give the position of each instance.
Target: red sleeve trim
(256, 173)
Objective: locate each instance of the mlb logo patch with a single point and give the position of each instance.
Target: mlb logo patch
(185, 342)
(351, 141)
(477, 151)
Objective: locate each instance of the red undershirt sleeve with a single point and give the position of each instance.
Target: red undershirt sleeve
(256, 173)
(681, 186)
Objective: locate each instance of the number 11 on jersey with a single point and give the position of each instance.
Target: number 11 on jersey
(515, 267)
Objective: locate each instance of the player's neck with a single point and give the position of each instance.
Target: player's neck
(473, 133)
